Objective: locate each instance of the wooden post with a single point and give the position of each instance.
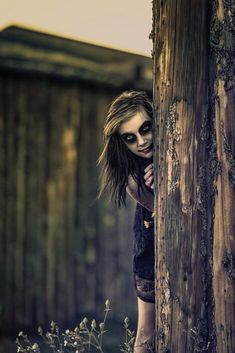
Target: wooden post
(194, 89)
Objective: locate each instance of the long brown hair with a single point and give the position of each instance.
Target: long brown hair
(118, 162)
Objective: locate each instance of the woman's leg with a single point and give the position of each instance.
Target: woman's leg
(145, 328)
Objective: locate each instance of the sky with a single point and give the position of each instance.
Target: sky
(122, 24)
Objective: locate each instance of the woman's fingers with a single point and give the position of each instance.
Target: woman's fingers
(149, 167)
(148, 171)
(149, 181)
(150, 185)
(148, 176)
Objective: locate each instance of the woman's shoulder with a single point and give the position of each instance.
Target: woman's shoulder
(131, 182)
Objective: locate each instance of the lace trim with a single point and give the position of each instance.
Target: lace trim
(145, 289)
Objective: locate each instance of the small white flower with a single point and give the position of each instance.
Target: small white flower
(93, 324)
(101, 326)
(67, 332)
(34, 346)
(107, 304)
(126, 321)
(65, 343)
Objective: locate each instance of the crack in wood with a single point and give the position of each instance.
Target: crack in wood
(165, 310)
(175, 135)
(229, 155)
(228, 264)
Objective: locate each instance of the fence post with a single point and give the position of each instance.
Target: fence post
(194, 77)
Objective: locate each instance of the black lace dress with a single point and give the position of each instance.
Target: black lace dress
(143, 264)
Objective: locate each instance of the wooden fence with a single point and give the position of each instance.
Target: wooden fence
(62, 252)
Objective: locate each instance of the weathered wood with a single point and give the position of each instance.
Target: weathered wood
(21, 115)
(223, 50)
(10, 192)
(195, 139)
(37, 110)
(2, 195)
(65, 252)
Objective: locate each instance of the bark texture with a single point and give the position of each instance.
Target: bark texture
(194, 72)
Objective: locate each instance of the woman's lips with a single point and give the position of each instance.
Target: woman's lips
(147, 150)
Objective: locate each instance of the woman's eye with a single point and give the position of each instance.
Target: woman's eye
(129, 139)
(145, 129)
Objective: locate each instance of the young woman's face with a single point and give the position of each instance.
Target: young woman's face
(136, 132)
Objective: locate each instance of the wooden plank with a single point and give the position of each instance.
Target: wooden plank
(10, 204)
(19, 273)
(2, 196)
(53, 215)
(38, 111)
(86, 215)
(69, 141)
(31, 204)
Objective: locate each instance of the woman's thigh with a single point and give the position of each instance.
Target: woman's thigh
(145, 331)
(146, 315)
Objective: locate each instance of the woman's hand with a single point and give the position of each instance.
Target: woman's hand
(144, 197)
(148, 176)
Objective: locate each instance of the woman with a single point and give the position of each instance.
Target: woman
(127, 167)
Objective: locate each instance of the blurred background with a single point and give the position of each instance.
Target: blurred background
(63, 253)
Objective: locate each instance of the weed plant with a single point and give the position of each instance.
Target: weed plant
(85, 338)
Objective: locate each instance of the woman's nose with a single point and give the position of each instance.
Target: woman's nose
(140, 140)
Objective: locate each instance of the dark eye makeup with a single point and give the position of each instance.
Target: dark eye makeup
(145, 128)
(128, 138)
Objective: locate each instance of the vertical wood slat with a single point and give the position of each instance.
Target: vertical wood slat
(59, 112)
(82, 291)
(37, 111)
(71, 156)
(32, 251)
(86, 189)
(2, 199)
(21, 114)
(10, 201)
(54, 153)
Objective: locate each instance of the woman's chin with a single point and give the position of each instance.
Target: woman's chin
(148, 155)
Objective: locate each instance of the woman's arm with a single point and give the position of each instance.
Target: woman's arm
(145, 197)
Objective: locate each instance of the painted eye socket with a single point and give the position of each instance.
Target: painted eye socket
(129, 139)
(146, 128)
